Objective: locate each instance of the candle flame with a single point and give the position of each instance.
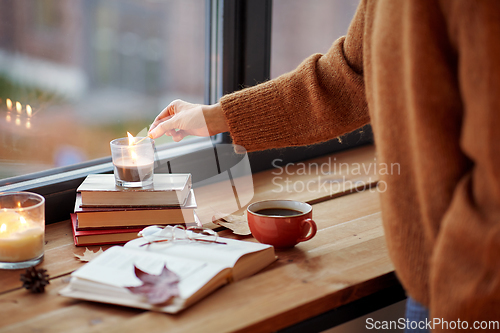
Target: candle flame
(9, 104)
(19, 107)
(133, 154)
(19, 204)
(131, 139)
(29, 111)
(3, 228)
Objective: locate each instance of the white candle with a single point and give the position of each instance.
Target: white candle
(133, 161)
(21, 239)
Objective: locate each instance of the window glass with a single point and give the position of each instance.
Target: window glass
(76, 74)
(301, 28)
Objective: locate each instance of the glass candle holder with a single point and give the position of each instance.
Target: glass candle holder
(22, 229)
(133, 162)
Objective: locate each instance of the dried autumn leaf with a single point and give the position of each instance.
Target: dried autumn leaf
(88, 255)
(236, 223)
(157, 288)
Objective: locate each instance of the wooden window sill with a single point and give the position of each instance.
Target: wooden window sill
(346, 261)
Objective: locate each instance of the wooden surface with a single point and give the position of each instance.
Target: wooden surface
(345, 261)
(326, 178)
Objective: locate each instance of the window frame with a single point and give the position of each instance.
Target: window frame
(238, 49)
(247, 61)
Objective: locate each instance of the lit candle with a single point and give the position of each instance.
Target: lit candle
(8, 102)
(21, 239)
(133, 161)
(29, 113)
(22, 226)
(19, 108)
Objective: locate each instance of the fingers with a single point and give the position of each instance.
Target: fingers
(167, 129)
(178, 120)
(164, 115)
(173, 108)
(164, 127)
(157, 122)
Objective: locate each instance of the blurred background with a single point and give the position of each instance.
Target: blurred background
(76, 74)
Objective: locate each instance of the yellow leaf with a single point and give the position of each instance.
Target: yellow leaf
(236, 223)
(88, 255)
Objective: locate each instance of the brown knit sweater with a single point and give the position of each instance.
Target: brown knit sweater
(426, 75)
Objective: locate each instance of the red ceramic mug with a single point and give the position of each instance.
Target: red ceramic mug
(281, 223)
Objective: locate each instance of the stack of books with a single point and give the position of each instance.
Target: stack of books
(108, 214)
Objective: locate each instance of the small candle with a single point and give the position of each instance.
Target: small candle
(21, 239)
(8, 102)
(133, 161)
(22, 227)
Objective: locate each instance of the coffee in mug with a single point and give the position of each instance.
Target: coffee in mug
(281, 223)
(278, 212)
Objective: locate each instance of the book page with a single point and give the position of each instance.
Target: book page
(115, 267)
(223, 254)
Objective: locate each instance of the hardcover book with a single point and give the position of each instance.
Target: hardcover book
(118, 235)
(102, 236)
(201, 268)
(99, 190)
(106, 217)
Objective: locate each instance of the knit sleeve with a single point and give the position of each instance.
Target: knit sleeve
(465, 267)
(324, 97)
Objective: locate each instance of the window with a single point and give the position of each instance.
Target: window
(92, 70)
(299, 29)
(302, 28)
(75, 75)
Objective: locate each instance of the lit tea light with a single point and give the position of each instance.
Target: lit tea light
(19, 110)
(22, 226)
(133, 161)
(8, 117)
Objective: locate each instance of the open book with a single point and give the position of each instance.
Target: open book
(201, 267)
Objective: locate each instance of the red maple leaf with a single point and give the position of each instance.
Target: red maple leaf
(157, 288)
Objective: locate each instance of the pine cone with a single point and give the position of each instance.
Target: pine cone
(35, 280)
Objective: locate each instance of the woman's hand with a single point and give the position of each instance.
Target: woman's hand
(180, 119)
